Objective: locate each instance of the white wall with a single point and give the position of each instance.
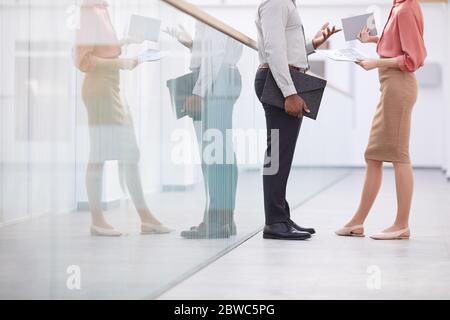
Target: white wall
(447, 106)
(37, 119)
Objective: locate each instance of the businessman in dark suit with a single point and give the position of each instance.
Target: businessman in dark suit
(283, 48)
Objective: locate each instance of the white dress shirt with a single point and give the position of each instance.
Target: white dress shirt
(212, 50)
(281, 41)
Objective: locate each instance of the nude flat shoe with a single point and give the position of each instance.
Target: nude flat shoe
(102, 232)
(149, 228)
(349, 231)
(402, 234)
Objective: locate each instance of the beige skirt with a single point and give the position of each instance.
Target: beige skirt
(391, 126)
(111, 130)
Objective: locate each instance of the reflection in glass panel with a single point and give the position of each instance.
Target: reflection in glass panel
(126, 163)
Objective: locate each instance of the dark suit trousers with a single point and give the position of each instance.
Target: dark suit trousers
(282, 135)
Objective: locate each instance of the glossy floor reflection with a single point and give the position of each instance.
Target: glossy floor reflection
(331, 267)
(35, 254)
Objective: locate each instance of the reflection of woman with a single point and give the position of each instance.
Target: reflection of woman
(111, 129)
(402, 51)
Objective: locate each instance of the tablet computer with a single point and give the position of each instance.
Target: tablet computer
(144, 28)
(353, 25)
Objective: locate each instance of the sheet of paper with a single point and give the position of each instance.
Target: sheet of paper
(353, 25)
(152, 55)
(144, 28)
(349, 54)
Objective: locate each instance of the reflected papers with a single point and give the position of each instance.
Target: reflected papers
(350, 54)
(151, 55)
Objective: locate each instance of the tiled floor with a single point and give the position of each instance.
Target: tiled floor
(331, 267)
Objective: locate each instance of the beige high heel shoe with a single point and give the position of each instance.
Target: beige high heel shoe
(350, 231)
(402, 234)
(149, 228)
(102, 232)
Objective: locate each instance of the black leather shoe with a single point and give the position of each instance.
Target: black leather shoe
(296, 226)
(207, 232)
(284, 231)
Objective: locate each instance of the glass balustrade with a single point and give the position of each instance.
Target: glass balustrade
(179, 139)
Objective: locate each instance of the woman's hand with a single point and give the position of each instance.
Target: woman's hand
(180, 34)
(365, 37)
(324, 34)
(368, 64)
(128, 64)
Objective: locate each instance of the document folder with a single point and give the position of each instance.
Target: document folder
(180, 89)
(309, 88)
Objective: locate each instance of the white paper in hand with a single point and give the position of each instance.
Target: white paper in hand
(144, 28)
(349, 54)
(151, 55)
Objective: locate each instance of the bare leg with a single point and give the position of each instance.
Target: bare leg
(94, 188)
(404, 181)
(134, 186)
(372, 184)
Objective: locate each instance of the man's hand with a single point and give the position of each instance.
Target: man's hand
(324, 34)
(368, 64)
(193, 106)
(181, 34)
(294, 106)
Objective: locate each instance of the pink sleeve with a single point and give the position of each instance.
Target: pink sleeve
(413, 46)
(84, 58)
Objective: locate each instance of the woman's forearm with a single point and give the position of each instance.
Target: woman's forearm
(388, 63)
(115, 64)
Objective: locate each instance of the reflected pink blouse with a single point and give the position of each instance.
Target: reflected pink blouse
(96, 37)
(402, 36)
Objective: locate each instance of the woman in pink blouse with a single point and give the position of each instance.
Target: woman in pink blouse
(402, 51)
(111, 130)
